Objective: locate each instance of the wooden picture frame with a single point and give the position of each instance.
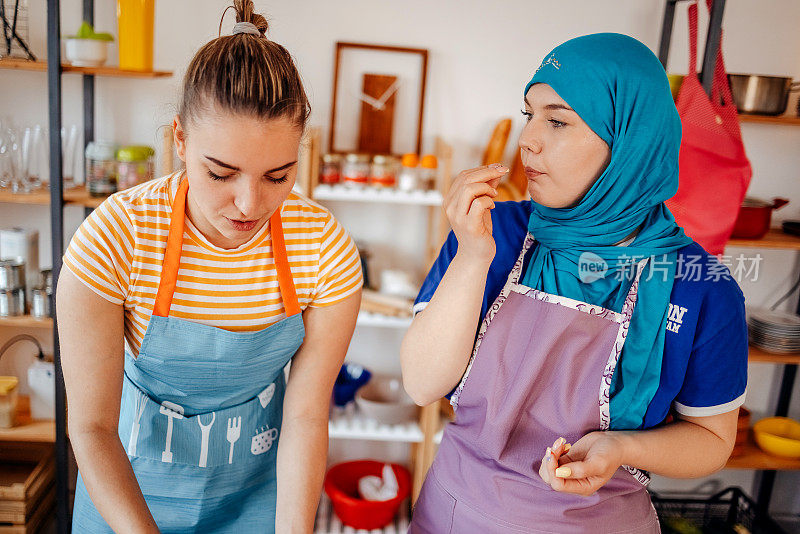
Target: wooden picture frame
(347, 79)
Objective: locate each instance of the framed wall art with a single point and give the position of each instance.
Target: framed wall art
(378, 99)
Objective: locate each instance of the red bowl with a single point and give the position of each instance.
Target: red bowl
(341, 485)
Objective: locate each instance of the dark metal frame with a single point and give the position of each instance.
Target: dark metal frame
(712, 40)
(63, 512)
(767, 480)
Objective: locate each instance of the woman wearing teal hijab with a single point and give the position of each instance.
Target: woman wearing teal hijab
(598, 318)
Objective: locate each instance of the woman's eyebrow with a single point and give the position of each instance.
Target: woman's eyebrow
(234, 168)
(558, 106)
(551, 106)
(222, 164)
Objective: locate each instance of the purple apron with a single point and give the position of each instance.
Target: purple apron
(541, 368)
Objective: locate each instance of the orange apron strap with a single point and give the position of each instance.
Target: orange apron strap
(285, 280)
(172, 255)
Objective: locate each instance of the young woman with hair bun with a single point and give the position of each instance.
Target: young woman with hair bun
(195, 291)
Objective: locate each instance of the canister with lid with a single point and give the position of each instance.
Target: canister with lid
(383, 171)
(12, 302)
(428, 172)
(12, 274)
(331, 170)
(40, 302)
(101, 168)
(355, 171)
(408, 178)
(135, 165)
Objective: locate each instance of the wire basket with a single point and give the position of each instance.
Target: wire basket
(725, 512)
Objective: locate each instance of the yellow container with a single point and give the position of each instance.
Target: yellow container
(135, 28)
(779, 436)
(8, 401)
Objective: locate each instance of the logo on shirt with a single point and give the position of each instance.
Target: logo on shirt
(675, 318)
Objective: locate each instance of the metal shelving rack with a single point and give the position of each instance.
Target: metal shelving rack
(713, 42)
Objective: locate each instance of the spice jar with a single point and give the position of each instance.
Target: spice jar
(330, 171)
(40, 304)
(427, 174)
(101, 169)
(355, 171)
(408, 179)
(382, 172)
(135, 165)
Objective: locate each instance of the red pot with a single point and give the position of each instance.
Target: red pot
(341, 485)
(755, 216)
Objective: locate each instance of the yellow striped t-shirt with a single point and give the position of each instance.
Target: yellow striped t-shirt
(118, 251)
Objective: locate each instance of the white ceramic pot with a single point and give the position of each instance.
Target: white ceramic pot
(86, 52)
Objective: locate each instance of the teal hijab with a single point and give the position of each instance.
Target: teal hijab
(619, 88)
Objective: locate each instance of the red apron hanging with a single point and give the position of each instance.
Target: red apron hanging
(714, 169)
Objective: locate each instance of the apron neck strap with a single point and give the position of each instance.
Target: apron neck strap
(516, 272)
(633, 293)
(172, 258)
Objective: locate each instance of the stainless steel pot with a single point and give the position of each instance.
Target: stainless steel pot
(761, 95)
(12, 302)
(12, 274)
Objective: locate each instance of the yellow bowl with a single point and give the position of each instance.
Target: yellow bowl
(779, 436)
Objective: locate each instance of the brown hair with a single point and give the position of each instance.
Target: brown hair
(244, 73)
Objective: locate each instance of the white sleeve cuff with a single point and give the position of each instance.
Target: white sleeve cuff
(706, 411)
(418, 307)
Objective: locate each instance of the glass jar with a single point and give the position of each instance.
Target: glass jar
(408, 179)
(355, 171)
(383, 171)
(427, 173)
(101, 169)
(330, 171)
(135, 165)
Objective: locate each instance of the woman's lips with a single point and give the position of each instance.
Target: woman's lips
(532, 173)
(243, 226)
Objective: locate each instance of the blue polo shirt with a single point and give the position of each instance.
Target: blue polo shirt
(704, 369)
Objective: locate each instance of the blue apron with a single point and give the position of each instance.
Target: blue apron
(201, 410)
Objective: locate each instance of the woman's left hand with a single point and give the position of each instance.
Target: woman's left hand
(584, 467)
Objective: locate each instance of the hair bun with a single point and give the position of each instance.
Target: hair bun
(245, 12)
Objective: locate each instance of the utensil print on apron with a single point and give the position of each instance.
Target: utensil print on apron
(172, 411)
(541, 368)
(138, 411)
(206, 432)
(265, 396)
(262, 442)
(232, 436)
(187, 370)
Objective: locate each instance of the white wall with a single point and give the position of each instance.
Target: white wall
(481, 56)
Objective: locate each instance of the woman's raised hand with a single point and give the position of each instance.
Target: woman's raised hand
(468, 206)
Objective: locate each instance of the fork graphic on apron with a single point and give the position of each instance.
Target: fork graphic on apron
(234, 430)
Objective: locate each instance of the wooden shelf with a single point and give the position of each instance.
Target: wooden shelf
(373, 194)
(758, 355)
(41, 66)
(754, 458)
(787, 120)
(28, 430)
(775, 238)
(26, 321)
(77, 196)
